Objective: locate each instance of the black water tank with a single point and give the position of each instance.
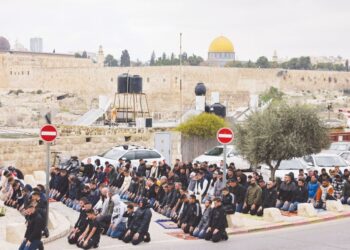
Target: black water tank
(207, 108)
(135, 84)
(200, 89)
(123, 83)
(218, 109)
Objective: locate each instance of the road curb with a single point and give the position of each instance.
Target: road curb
(287, 224)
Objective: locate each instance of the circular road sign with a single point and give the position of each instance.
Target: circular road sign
(225, 135)
(48, 133)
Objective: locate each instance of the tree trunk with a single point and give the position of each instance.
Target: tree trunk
(273, 173)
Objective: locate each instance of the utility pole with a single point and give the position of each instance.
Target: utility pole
(181, 101)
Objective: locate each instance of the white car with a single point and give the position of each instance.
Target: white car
(215, 156)
(346, 156)
(327, 161)
(338, 147)
(286, 167)
(127, 152)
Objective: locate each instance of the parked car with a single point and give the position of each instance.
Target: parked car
(127, 152)
(286, 167)
(346, 156)
(327, 161)
(215, 156)
(338, 147)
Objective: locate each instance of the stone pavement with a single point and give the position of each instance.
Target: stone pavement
(161, 232)
(12, 227)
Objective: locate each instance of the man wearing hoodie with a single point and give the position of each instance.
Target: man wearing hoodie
(139, 226)
(118, 222)
(312, 188)
(300, 195)
(252, 199)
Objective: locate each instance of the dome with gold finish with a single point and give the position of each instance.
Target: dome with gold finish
(221, 44)
(221, 52)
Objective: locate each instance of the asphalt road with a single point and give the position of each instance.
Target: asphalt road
(332, 235)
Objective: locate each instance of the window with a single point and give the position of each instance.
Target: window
(215, 151)
(330, 161)
(113, 154)
(142, 154)
(308, 159)
(153, 154)
(130, 156)
(345, 156)
(290, 165)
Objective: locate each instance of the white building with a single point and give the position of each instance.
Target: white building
(36, 44)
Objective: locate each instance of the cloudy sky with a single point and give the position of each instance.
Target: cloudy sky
(256, 27)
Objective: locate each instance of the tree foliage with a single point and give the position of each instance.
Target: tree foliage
(280, 132)
(165, 60)
(110, 61)
(204, 125)
(262, 62)
(125, 59)
(272, 93)
(84, 55)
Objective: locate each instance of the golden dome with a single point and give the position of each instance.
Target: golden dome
(221, 44)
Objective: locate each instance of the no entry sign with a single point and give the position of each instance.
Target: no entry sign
(225, 136)
(48, 133)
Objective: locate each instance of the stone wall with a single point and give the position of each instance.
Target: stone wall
(162, 84)
(30, 154)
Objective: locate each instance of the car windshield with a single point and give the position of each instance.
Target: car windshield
(215, 152)
(338, 146)
(330, 161)
(113, 154)
(290, 165)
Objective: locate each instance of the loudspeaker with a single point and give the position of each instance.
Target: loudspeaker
(148, 122)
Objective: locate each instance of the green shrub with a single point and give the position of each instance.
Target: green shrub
(204, 125)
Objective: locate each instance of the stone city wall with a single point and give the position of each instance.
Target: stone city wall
(30, 154)
(162, 84)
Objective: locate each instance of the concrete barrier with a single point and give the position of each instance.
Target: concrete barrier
(334, 206)
(53, 221)
(15, 232)
(235, 220)
(272, 214)
(40, 177)
(306, 210)
(29, 179)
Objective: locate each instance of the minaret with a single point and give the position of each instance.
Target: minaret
(100, 57)
(274, 57)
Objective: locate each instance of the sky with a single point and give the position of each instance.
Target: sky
(256, 27)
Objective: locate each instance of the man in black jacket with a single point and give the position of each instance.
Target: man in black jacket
(90, 238)
(35, 226)
(138, 228)
(193, 215)
(217, 223)
(81, 223)
(239, 193)
(269, 196)
(300, 195)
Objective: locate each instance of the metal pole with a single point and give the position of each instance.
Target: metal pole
(180, 58)
(47, 180)
(224, 168)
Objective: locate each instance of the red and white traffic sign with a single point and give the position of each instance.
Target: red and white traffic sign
(225, 135)
(48, 133)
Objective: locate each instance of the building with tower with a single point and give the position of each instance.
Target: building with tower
(221, 51)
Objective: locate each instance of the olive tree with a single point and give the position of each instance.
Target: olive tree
(280, 132)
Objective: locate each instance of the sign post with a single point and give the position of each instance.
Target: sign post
(48, 133)
(225, 136)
